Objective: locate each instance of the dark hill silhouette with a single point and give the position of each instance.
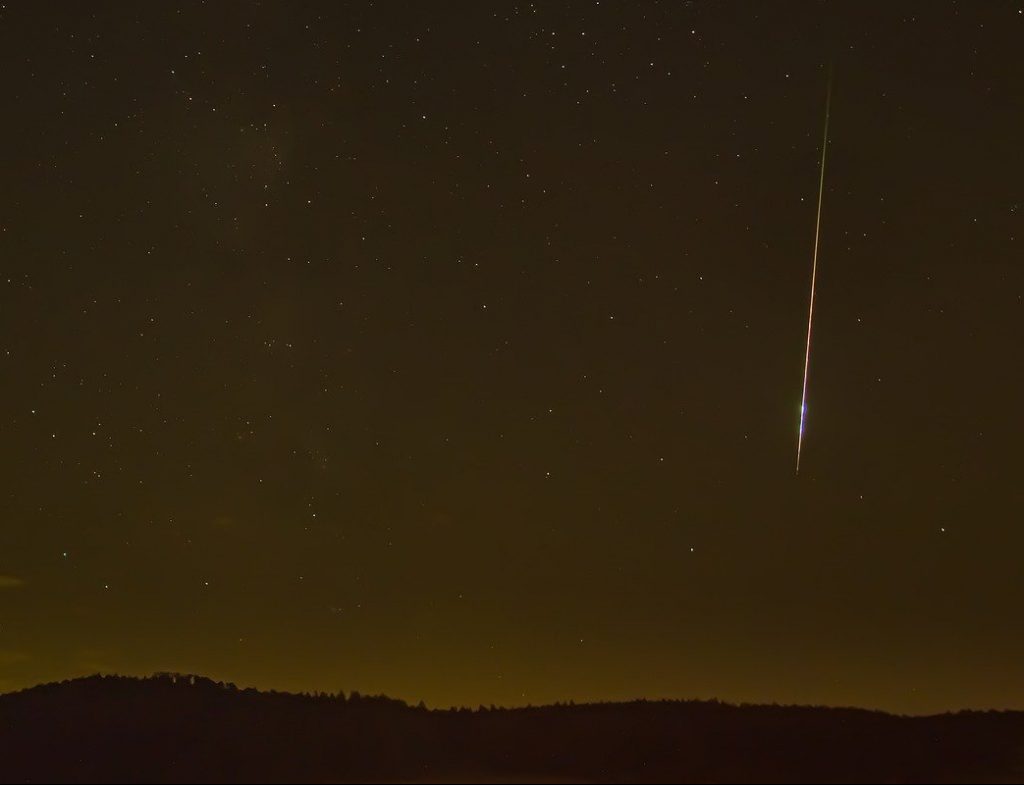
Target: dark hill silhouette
(172, 728)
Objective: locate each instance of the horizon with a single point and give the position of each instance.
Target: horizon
(173, 728)
(413, 702)
(348, 696)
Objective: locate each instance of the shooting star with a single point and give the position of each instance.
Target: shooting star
(814, 275)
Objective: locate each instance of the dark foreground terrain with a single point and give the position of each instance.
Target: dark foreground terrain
(181, 728)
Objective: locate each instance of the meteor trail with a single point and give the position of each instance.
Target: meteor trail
(814, 274)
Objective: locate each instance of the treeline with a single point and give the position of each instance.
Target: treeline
(184, 728)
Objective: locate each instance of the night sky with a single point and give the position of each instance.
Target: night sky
(454, 350)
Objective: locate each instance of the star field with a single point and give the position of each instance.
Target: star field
(453, 352)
